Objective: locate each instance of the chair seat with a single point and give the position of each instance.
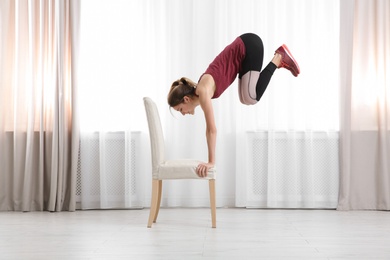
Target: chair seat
(181, 169)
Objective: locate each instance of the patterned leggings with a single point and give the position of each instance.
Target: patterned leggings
(252, 81)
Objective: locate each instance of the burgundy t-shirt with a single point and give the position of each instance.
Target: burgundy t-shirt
(226, 66)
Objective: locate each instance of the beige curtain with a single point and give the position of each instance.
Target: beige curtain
(36, 106)
(365, 105)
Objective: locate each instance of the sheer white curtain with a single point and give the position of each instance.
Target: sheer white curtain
(287, 145)
(108, 54)
(132, 49)
(365, 111)
(35, 98)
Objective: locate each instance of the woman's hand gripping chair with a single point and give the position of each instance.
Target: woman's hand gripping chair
(172, 169)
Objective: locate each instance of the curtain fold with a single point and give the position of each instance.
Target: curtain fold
(110, 172)
(36, 114)
(365, 111)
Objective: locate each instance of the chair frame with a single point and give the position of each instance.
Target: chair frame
(156, 202)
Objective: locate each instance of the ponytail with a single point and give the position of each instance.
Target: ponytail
(179, 89)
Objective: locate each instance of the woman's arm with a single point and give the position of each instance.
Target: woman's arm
(205, 91)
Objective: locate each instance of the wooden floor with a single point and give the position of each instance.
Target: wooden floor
(186, 234)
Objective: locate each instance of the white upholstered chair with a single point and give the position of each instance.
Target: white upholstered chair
(171, 169)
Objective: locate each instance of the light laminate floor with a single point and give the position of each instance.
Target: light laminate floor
(185, 233)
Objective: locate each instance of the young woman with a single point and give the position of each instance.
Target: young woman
(244, 56)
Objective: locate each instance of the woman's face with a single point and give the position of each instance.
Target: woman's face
(186, 107)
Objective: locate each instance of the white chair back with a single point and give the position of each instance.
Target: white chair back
(156, 133)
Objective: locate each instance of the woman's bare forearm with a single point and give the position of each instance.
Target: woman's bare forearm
(211, 136)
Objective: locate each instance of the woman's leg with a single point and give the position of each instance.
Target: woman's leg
(247, 87)
(264, 79)
(252, 83)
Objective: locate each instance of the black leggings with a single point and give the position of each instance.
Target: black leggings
(253, 61)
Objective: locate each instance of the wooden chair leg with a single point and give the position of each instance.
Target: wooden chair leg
(159, 200)
(213, 204)
(154, 202)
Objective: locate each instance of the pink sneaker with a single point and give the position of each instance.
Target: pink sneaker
(288, 61)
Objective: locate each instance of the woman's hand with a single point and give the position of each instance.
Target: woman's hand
(203, 169)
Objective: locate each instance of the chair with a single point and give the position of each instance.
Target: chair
(171, 169)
